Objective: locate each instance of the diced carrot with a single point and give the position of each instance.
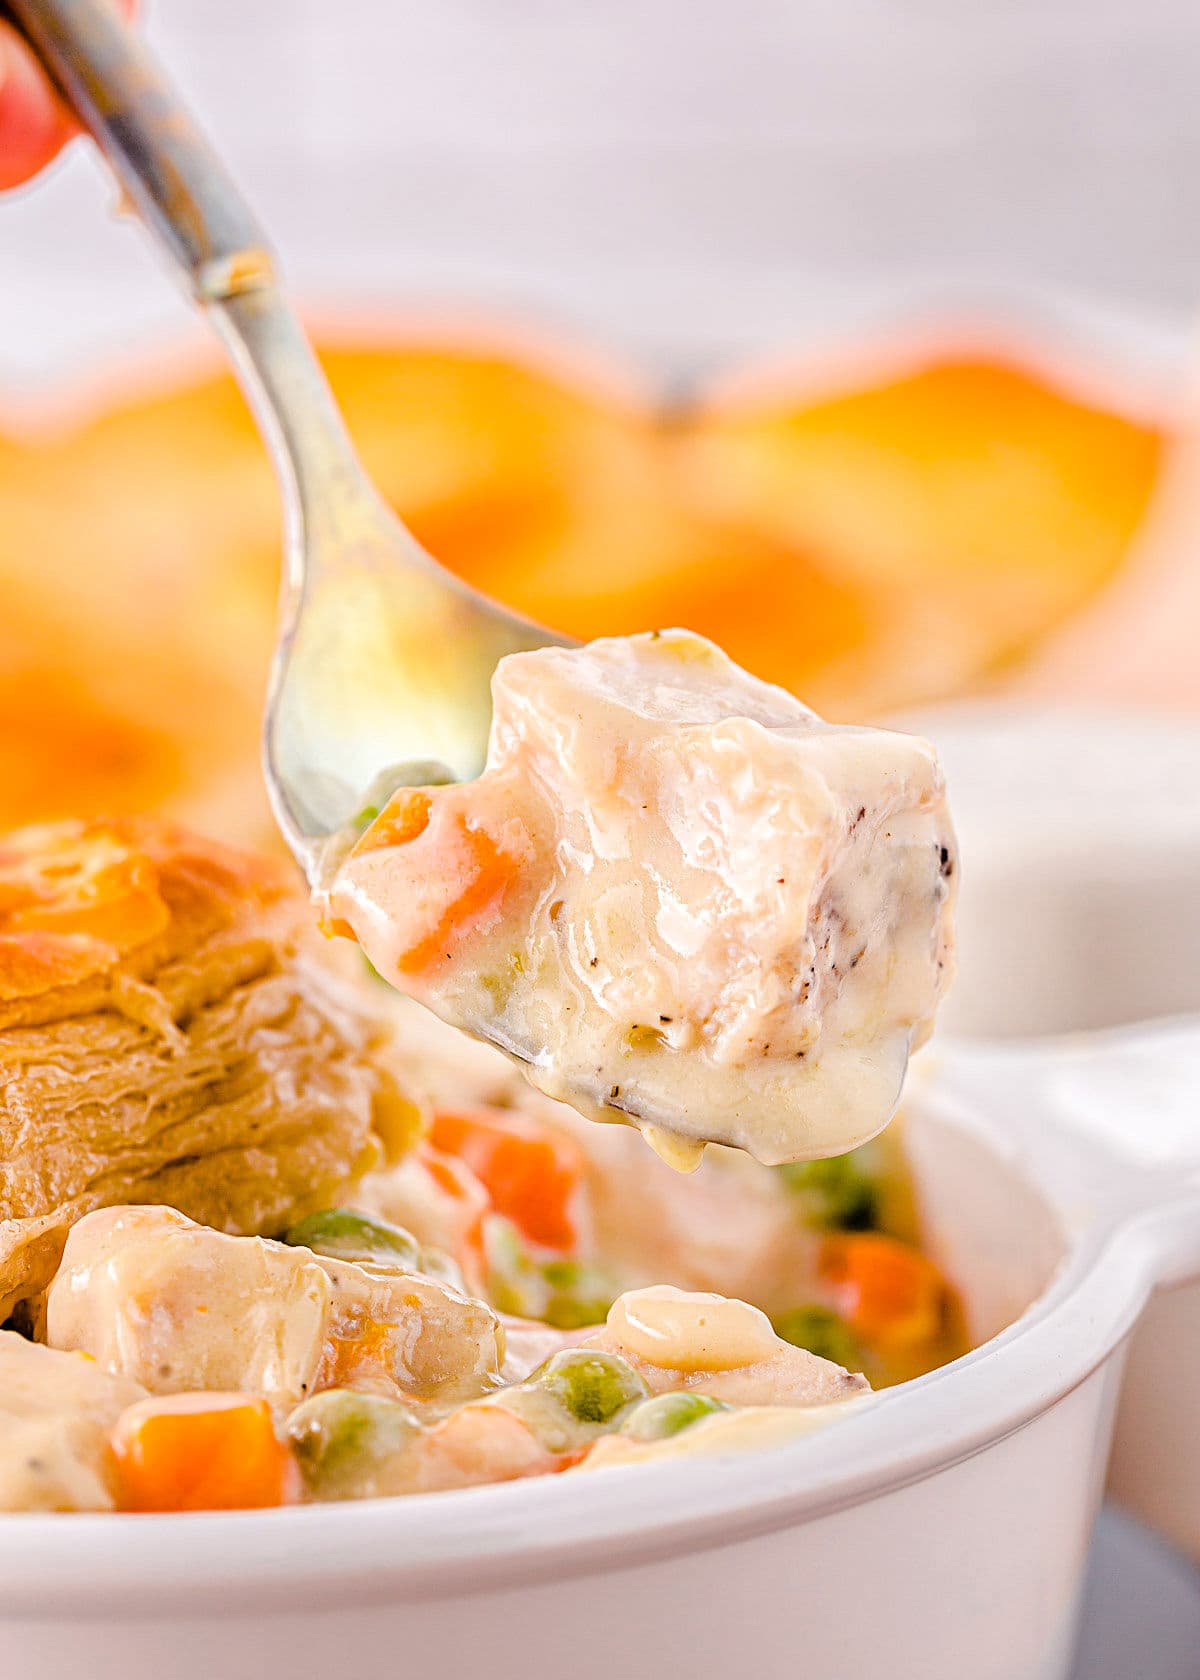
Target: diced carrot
(403, 818)
(454, 869)
(889, 1293)
(484, 873)
(531, 1174)
(200, 1452)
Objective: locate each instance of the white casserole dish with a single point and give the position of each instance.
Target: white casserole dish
(1080, 908)
(939, 1531)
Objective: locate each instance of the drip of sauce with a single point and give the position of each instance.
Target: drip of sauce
(683, 1153)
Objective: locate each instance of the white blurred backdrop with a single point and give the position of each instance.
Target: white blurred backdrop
(687, 180)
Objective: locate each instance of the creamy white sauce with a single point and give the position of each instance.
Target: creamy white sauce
(748, 1429)
(718, 916)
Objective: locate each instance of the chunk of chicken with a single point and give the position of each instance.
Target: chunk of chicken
(677, 896)
(57, 1411)
(179, 1307)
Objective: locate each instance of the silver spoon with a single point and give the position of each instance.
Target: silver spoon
(383, 661)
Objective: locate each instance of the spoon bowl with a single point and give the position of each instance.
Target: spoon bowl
(383, 665)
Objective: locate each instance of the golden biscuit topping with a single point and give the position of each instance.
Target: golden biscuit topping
(80, 901)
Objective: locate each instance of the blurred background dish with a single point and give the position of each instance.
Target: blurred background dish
(1079, 825)
(913, 532)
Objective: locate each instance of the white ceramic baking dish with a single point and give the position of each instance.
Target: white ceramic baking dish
(1080, 908)
(939, 1531)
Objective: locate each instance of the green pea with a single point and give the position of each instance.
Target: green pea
(669, 1414)
(591, 1385)
(567, 1294)
(821, 1331)
(577, 1294)
(436, 1263)
(338, 1436)
(842, 1193)
(343, 1235)
(512, 1277)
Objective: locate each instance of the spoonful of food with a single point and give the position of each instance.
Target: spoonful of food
(667, 889)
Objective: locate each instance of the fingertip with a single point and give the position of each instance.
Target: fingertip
(33, 125)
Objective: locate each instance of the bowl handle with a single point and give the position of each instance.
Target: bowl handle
(1108, 1123)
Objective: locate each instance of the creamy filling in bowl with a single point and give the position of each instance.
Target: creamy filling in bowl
(1059, 1182)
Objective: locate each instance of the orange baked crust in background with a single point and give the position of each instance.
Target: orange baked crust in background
(912, 526)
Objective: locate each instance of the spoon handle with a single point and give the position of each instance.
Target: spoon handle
(174, 179)
(115, 88)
